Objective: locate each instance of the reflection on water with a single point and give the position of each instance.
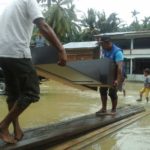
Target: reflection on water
(134, 137)
(60, 102)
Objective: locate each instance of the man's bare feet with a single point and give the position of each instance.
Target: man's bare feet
(113, 112)
(18, 134)
(6, 137)
(101, 111)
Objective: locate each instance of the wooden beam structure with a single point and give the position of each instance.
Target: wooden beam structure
(50, 135)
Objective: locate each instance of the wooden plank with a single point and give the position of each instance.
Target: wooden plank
(57, 133)
(87, 139)
(101, 70)
(67, 75)
(48, 75)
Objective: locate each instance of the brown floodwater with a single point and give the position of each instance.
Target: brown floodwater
(60, 102)
(133, 137)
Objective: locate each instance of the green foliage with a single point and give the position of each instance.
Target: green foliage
(89, 24)
(96, 22)
(62, 17)
(146, 23)
(90, 19)
(110, 24)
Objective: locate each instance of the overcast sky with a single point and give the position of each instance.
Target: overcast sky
(2, 4)
(122, 7)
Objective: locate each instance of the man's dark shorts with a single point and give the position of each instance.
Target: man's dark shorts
(104, 91)
(21, 80)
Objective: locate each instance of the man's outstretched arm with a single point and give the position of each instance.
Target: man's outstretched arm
(50, 35)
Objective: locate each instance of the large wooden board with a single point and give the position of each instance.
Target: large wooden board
(101, 70)
(50, 135)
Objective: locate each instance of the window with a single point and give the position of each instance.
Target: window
(142, 43)
(122, 43)
(139, 64)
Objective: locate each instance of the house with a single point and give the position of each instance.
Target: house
(136, 46)
(82, 50)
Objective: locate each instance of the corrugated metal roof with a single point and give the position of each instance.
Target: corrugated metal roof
(79, 45)
(126, 34)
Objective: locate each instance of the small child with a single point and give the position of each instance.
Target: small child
(146, 88)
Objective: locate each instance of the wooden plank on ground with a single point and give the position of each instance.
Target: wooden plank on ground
(89, 138)
(50, 135)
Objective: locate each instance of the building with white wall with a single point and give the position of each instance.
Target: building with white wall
(136, 46)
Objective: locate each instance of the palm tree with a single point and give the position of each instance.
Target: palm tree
(62, 18)
(89, 24)
(135, 25)
(89, 20)
(134, 15)
(113, 22)
(110, 24)
(146, 23)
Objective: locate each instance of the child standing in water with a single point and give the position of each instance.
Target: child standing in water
(146, 88)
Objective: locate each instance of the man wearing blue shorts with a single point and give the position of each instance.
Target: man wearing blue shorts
(113, 52)
(16, 24)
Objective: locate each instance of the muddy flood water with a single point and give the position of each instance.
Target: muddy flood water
(60, 102)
